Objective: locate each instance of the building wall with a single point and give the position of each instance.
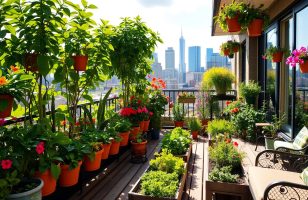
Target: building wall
(170, 58)
(194, 59)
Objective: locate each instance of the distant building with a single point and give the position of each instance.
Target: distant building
(169, 58)
(182, 66)
(171, 78)
(216, 60)
(156, 67)
(194, 59)
(194, 78)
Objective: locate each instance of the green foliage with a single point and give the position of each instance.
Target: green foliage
(8, 180)
(156, 105)
(252, 13)
(178, 112)
(159, 184)
(220, 126)
(275, 126)
(301, 117)
(271, 50)
(194, 124)
(224, 153)
(167, 162)
(122, 125)
(223, 174)
(229, 46)
(219, 77)
(177, 142)
(250, 91)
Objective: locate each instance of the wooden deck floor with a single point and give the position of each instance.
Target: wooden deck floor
(119, 178)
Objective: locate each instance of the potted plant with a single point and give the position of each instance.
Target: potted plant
(231, 17)
(275, 53)
(104, 138)
(132, 115)
(139, 146)
(13, 84)
(220, 126)
(115, 141)
(299, 56)
(178, 112)
(123, 126)
(250, 92)
(195, 126)
(229, 48)
(255, 20)
(219, 77)
(270, 132)
(185, 97)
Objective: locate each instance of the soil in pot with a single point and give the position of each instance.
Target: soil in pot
(94, 164)
(105, 153)
(69, 177)
(124, 136)
(50, 182)
(233, 24)
(22, 191)
(255, 28)
(7, 101)
(80, 62)
(115, 148)
(139, 149)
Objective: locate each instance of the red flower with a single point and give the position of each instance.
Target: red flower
(234, 110)
(171, 104)
(2, 121)
(228, 140)
(93, 120)
(235, 144)
(63, 122)
(228, 102)
(132, 97)
(139, 101)
(6, 164)
(40, 148)
(77, 124)
(151, 113)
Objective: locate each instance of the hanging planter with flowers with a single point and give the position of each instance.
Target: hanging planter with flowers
(299, 56)
(229, 48)
(275, 53)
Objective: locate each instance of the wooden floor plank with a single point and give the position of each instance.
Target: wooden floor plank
(205, 167)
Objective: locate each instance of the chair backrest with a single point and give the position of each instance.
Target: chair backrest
(304, 176)
(301, 140)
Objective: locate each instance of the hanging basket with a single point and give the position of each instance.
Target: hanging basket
(236, 49)
(304, 67)
(226, 52)
(255, 28)
(277, 57)
(233, 25)
(80, 62)
(31, 62)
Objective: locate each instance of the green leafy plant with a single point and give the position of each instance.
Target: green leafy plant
(271, 50)
(159, 184)
(223, 174)
(250, 91)
(219, 77)
(225, 153)
(275, 126)
(252, 12)
(167, 162)
(220, 126)
(122, 125)
(177, 142)
(178, 112)
(194, 124)
(229, 47)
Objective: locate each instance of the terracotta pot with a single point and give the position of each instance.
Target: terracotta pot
(69, 177)
(304, 67)
(94, 164)
(236, 49)
(233, 25)
(277, 57)
(125, 137)
(105, 153)
(255, 28)
(226, 52)
(179, 124)
(115, 148)
(139, 149)
(31, 62)
(194, 134)
(146, 125)
(50, 182)
(134, 132)
(80, 62)
(205, 122)
(141, 125)
(6, 112)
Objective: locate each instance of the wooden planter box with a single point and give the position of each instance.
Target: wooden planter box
(134, 195)
(187, 100)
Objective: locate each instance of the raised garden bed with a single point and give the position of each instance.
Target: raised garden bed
(135, 195)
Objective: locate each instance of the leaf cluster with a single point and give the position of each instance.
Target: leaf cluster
(177, 142)
(223, 174)
(220, 126)
(178, 112)
(220, 77)
(251, 89)
(194, 124)
(271, 50)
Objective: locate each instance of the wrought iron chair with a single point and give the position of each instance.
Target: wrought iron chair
(275, 177)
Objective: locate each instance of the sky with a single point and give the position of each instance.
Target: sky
(166, 17)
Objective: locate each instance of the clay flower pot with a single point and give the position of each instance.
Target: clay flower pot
(141, 125)
(115, 148)
(255, 28)
(226, 52)
(146, 125)
(236, 49)
(69, 177)
(8, 100)
(194, 134)
(80, 62)
(134, 132)
(125, 137)
(233, 24)
(50, 182)
(277, 57)
(94, 164)
(105, 153)
(179, 124)
(31, 62)
(139, 149)
(205, 122)
(304, 67)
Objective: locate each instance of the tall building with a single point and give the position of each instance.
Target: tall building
(194, 59)
(216, 60)
(156, 67)
(169, 58)
(182, 66)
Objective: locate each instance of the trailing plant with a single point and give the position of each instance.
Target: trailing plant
(177, 142)
(194, 124)
(223, 174)
(178, 112)
(159, 184)
(167, 162)
(271, 50)
(220, 126)
(298, 56)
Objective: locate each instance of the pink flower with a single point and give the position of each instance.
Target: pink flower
(264, 57)
(151, 113)
(6, 164)
(40, 148)
(2, 121)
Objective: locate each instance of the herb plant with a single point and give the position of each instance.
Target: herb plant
(223, 174)
(178, 112)
(194, 124)
(177, 142)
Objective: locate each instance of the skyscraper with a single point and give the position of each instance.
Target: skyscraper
(216, 60)
(182, 66)
(194, 59)
(170, 58)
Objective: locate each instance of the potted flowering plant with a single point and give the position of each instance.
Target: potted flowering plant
(123, 126)
(229, 48)
(275, 53)
(13, 84)
(195, 126)
(178, 115)
(185, 97)
(255, 20)
(299, 56)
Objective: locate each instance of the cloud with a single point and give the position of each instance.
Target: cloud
(153, 3)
